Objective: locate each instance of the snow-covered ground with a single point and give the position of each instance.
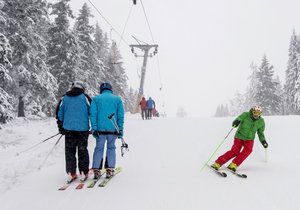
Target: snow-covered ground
(160, 172)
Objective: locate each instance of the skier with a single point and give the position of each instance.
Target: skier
(103, 106)
(248, 124)
(143, 105)
(73, 122)
(150, 106)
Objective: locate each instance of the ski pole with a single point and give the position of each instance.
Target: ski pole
(114, 122)
(49, 153)
(216, 149)
(36, 144)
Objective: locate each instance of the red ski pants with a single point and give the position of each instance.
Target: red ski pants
(236, 153)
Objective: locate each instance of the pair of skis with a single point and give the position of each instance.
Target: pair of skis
(223, 174)
(92, 183)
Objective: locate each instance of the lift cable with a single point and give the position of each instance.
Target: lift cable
(111, 26)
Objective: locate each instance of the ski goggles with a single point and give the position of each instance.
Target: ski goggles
(256, 113)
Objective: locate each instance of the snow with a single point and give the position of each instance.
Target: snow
(161, 170)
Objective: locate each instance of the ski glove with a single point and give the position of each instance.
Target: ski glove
(265, 144)
(95, 133)
(236, 123)
(61, 130)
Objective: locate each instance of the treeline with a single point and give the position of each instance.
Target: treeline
(41, 54)
(265, 88)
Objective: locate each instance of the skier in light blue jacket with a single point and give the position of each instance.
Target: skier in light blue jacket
(104, 105)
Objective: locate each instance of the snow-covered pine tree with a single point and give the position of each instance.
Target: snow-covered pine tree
(218, 111)
(62, 47)
(280, 93)
(90, 65)
(116, 74)
(252, 88)
(6, 107)
(101, 47)
(34, 85)
(266, 94)
(292, 75)
(237, 104)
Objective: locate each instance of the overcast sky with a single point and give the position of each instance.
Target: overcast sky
(205, 47)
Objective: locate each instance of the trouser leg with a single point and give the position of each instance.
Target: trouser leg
(111, 151)
(98, 152)
(235, 150)
(83, 154)
(70, 153)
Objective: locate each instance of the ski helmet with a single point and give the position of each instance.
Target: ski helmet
(78, 84)
(105, 86)
(256, 111)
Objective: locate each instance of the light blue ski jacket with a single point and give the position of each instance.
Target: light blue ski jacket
(104, 105)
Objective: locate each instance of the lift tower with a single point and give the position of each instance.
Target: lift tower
(146, 49)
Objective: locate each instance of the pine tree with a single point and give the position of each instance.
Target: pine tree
(101, 47)
(266, 92)
(237, 104)
(116, 74)
(91, 65)
(62, 47)
(6, 107)
(252, 88)
(292, 75)
(34, 85)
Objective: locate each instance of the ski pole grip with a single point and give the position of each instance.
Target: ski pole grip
(111, 116)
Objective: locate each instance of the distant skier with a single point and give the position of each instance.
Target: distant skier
(73, 122)
(143, 105)
(150, 107)
(248, 124)
(102, 107)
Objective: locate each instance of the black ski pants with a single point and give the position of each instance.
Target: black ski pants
(77, 141)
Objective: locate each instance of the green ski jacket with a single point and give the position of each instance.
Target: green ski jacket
(249, 126)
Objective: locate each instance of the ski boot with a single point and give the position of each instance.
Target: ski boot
(110, 172)
(71, 177)
(216, 166)
(97, 174)
(83, 176)
(232, 167)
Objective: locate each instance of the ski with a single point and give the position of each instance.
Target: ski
(93, 182)
(66, 185)
(106, 180)
(222, 174)
(238, 174)
(81, 184)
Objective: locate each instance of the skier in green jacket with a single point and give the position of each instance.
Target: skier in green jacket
(248, 124)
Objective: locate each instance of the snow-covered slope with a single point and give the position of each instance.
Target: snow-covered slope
(160, 172)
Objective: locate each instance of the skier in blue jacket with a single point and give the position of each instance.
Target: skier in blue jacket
(150, 107)
(103, 129)
(73, 122)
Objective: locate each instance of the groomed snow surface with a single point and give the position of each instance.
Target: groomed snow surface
(160, 172)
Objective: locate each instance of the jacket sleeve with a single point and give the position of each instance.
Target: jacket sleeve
(120, 117)
(94, 114)
(60, 110)
(260, 132)
(241, 117)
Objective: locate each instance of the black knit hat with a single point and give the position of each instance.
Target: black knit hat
(105, 86)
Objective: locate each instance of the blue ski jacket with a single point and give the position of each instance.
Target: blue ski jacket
(73, 112)
(104, 105)
(150, 103)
